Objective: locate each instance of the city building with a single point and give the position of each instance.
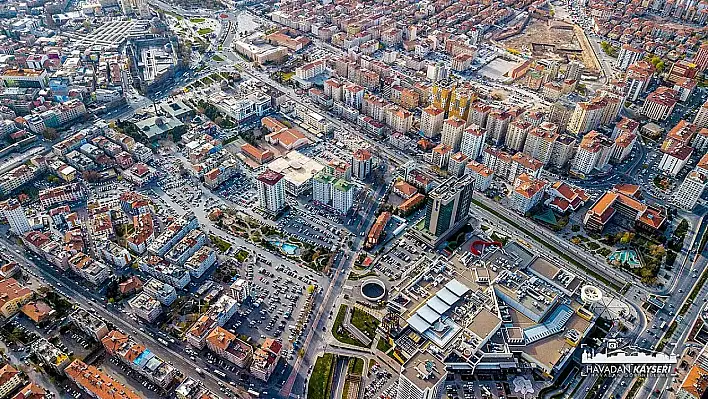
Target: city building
(660, 103)
(472, 144)
(145, 307)
(13, 296)
(481, 175)
(95, 383)
(16, 218)
(265, 359)
(448, 207)
(627, 56)
(690, 190)
(593, 153)
(527, 193)
(10, 379)
(225, 345)
(452, 132)
(431, 121)
(271, 191)
(361, 163)
(163, 292)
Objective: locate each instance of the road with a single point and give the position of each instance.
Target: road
(676, 295)
(315, 342)
(87, 300)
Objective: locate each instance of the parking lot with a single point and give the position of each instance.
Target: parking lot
(402, 255)
(309, 229)
(381, 384)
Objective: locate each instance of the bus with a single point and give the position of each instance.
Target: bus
(253, 393)
(220, 373)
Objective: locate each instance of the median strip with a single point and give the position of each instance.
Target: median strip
(552, 248)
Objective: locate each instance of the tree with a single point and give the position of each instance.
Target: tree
(50, 134)
(91, 176)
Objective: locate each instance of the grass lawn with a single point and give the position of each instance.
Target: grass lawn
(241, 255)
(365, 322)
(205, 31)
(196, 20)
(341, 334)
(383, 345)
(217, 58)
(356, 366)
(219, 243)
(320, 382)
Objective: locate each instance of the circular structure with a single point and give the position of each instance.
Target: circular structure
(373, 289)
(590, 294)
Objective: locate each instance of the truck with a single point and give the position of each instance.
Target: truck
(254, 394)
(199, 371)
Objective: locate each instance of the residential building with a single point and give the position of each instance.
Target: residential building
(431, 121)
(139, 359)
(627, 56)
(50, 355)
(452, 132)
(675, 156)
(271, 191)
(89, 323)
(145, 307)
(332, 191)
(541, 141)
(660, 103)
(473, 139)
(528, 192)
(361, 163)
(690, 190)
(225, 345)
(16, 218)
(481, 175)
(593, 153)
(197, 334)
(516, 135)
(95, 383)
(175, 275)
(457, 163)
(701, 119)
(10, 379)
(163, 292)
(13, 296)
(265, 359)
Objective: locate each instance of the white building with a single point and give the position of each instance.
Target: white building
(627, 56)
(329, 190)
(431, 121)
(690, 190)
(675, 155)
(15, 215)
(163, 292)
(473, 142)
(452, 133)
(271, 191)
(145, 307)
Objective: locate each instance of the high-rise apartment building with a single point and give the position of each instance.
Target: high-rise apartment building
(271, 191)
